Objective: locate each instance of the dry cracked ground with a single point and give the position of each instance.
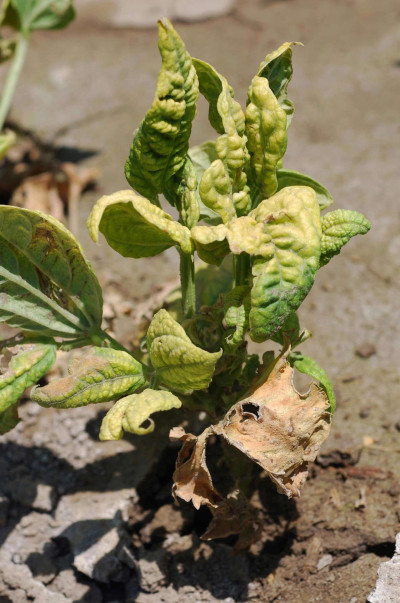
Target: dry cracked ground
(82, 520)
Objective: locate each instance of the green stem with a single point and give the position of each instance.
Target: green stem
(241, 267)
(113, 342)
(188, 285)
(13, 77)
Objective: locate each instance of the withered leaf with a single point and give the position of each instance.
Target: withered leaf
(193, 483)
(278, 428)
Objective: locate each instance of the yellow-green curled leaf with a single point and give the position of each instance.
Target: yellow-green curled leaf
(129, 414)
(216, 191)
(278, 70)
(338, 227)
(101, 375)
(24, 369)
(161, 143)
(181, 192)
(202, 157)
(293, 178)
(284, 276)
(135, 227)
(46, 284)
(236, 315)
(180, 364)
(266, 134)
(308, 366)
(7, 139)
(211, 243)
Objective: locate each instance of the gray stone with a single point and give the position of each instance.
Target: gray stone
(387, 589)
(324, 561)
(30, 494)
(153, 566)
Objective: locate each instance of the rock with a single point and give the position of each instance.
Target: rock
(4, 505)
(365, 350)
(19, 580)
(324, 561)
(31, 494)
(136, 13)
(153, 567)
(387, 589)
(67, 583)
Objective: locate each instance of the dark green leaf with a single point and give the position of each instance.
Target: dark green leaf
(293, 178)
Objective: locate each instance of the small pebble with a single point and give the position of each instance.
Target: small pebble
(364, 413)
(365, 350)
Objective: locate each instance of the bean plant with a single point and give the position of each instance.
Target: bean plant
(262, 234)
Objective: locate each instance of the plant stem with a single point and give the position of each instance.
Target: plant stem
(13, 77)
(114, 344)
(241, 267)
(188, 285)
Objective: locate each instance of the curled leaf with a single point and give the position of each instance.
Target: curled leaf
(135, 227)
(46, 284)
(338, 227)
(216, 191)
(278, 428)
(129, 414)
(101, 375)
(29, 365)
(293, 178)
(211, 243)
(308, 366)
(160, 145)
(266, 134)
(278, 70)
(236, 315)
(193, 483)
(180, 364)
(181, 192)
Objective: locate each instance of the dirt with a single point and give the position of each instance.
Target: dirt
(82, 520)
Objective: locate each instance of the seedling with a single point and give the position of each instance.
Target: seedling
(24, 17)
(239, 210)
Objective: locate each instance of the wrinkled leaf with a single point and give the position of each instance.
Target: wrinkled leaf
(279, 429)
(211, 243)
(7, 139)
(236, 315)
(28, 15)
(103, 374)
(29, 365)
(161, 143)
(338, 227)
(290, 330)
(283, 277)
(135, 227)
(181, 192)
(293, 178)
(180, 364)
(277, 69)
(216, 191)
(308, 366)
(202, 156)
(193, 483)
(266, 134)
(130, 413)
(46, 284)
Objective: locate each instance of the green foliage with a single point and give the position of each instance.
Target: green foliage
(129, 414)
(101, 375)
(258, 228)
(338, 227)
(28, 15)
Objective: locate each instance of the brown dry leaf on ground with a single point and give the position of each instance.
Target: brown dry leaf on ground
(193, 483)
(279, 428)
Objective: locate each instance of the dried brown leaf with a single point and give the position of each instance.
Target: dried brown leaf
(193, 483)
(278, 428)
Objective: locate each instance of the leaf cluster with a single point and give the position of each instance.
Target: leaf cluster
(258, 227)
